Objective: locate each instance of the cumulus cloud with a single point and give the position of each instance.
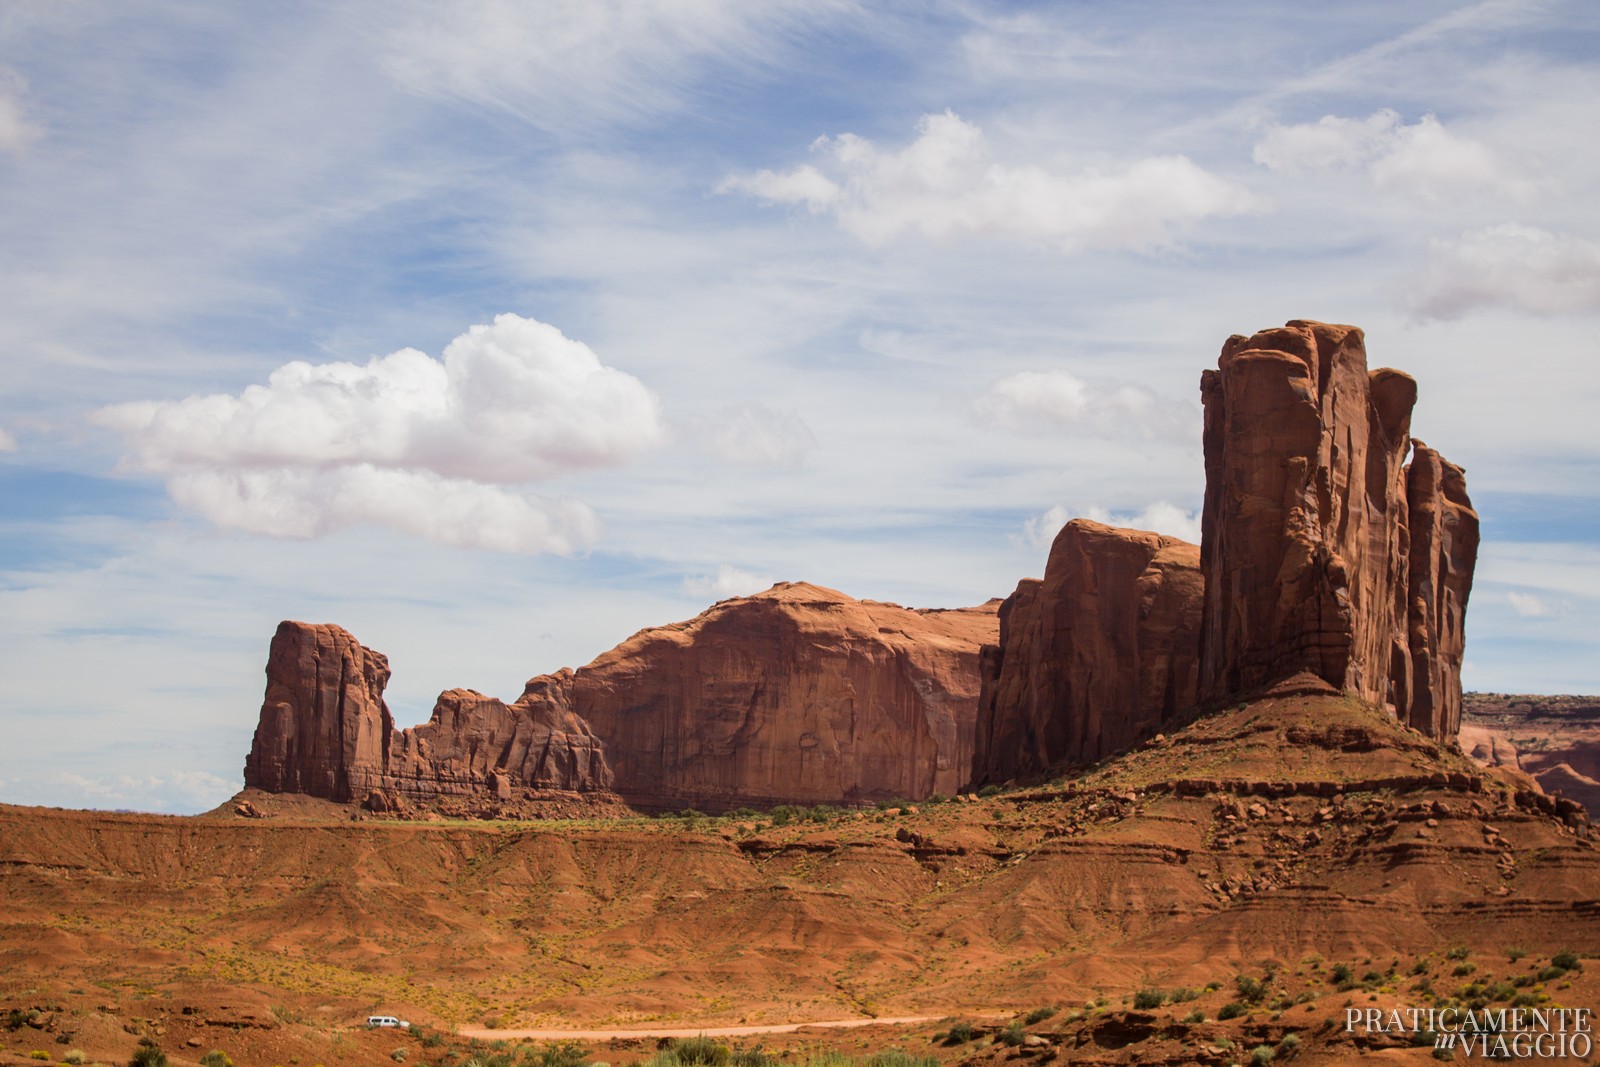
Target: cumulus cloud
(1508, 265)
(16, 132)
(947, 183)
(755, 435)
(421, 445)
(1424, 159)
(1529, 607)
(727, 582)
(1160, 517)
(1056, 398)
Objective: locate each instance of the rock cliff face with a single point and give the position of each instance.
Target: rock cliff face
(324, 728)
(796, 695)
(1094, 657)
(799, 695)
(1326, 564)
(1555, 740)
(1322, 553)
(326, 732)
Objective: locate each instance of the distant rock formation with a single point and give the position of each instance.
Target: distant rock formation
(326, 732)
(796, 695)
(1554, 740)
(1326, 564)
(1322, 553)
(1094, 657)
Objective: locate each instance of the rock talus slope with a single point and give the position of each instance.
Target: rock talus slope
(796, 695)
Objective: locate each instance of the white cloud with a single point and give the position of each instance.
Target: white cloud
(1424, 160)
(1058, 398)
(946, 183)
(180, 791)
(727, 582)
(560, 62)
(405, 441)
(8, 443)
(1529, 607)
(755, 435)
(16, 132)
(1508, 265)
(1160, 517)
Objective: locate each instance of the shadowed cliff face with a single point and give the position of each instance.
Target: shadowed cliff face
(1094, 657)
(797, 695)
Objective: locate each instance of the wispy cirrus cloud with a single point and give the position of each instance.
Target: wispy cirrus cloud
(1058, 399)
(422, 445)
(948, 183)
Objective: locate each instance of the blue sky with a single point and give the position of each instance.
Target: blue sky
(496, 331)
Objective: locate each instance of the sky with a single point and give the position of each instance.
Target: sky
(495, 331)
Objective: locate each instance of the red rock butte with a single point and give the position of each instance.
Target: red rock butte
(796, 695)
(1326, 564)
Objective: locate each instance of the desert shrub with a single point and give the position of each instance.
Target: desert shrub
(1183, 994)
(937, 798)
(896, 1058)
(39, 1054)
(989, 791)
(959, 1034)
(1420, 967)
(1231, 1010)
(74, 1056)
(557, 1054)
(1341, 974)
(1461, 970)
(699, 1052)
(1289, 1046)
(216, 1058)
(1261, 1054)
(1251, 990)
(1443, 1053)
(490, 1059)
(1567, 961)
(147, 1056)
(399, 1055)
(823, 813)
(1458, 952)
(1145, 999)
(1195, 1017)
(1550, 974)
(784, 814)
(1038, 1015)
(1011, 1036)
(1514, 953)
(830, 1059)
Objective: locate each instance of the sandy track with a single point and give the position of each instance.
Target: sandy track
(706, 1031)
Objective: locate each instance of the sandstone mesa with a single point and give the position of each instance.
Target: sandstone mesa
(1327, 564)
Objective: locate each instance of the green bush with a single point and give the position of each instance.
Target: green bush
(1567, 961)
(147, 1056)
(1011, 1036)
(38, 1054)
(699, 1052)
(1232, 1010)
(1182, 995)
(399, 1055)
(1194, 1018)
(1251, 990)
(1038, 1015)
(1459, 952)
(1550, 974)
(216, 1058)
(959, 1034)
(74, 1056)
(557, 1054)
(1146, 999)
(896, 1058)
(1261, 1054)
(1289, 1046)
(752, 1057)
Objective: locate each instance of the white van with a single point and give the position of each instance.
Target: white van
(375, 1021)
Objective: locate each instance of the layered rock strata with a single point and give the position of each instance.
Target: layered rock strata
(1322, 552)
(1095, 656)
(1326, 564)
(797, 695)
